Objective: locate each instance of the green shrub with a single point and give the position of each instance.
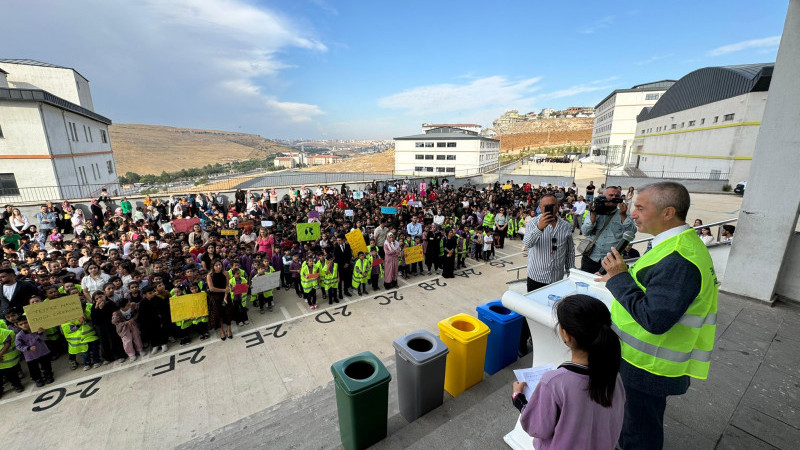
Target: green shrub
(726, 188)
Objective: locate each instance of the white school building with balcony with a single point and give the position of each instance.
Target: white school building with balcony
(445, 150)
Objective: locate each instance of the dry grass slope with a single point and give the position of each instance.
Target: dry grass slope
(379, 162)
(152, 149)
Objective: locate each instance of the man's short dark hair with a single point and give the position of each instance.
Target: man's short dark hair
(669, 193)
(729, 228)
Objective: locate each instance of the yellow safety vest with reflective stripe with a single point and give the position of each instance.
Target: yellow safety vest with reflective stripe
(307, 284)
(329, 276)
(11, 357)
(269, 292)
(685, 349)
(84, 333)
(233, 283)
(361, 271)
(488, 221)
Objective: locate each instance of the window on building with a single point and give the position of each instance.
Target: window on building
(692, 122)
(440, 157)
(451, 157)
(673, 126)
(90, 134)
(702, 121)
(440, 169)
(716, 119)
(419, 144)
(682, 123)
(429, 169)
(110, 167)
(451, 144)
(85, 134)
(441, 144)
(8, 184)
(429, 144)
(419, 156)
(75, 132)
(728, 117)
(103, 137)
(419, 169)
(1, 133)
(642, 131)
(651, 96)
(451, 169)
(428, 156)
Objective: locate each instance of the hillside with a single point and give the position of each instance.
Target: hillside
(379, 162)
(546, 132)
(152, 149)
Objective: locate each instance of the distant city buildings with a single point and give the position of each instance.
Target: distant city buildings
(50, 136)
(292, 160)
(446, 150)
(615, 120)
(504, 123)
(706, 123)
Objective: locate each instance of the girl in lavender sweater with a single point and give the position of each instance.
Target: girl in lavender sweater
(33, 346)
(581, 404)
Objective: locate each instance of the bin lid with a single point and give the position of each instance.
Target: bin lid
(463, 328)
(420, 347)
(497, 312)
(359, 373)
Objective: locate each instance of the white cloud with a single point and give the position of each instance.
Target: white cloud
(772, 41)
(297, 112)
(478, 94)
(605, 22)
(596, 85)
(651, 59)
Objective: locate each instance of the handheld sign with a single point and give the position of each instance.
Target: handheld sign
(249, 223)
(320, 209)
(53, 313)
(358, 195)
(413, 254)
(184, 225)
(312, 276)
(308, 231)
(348, 213)
(356, 241)
(313, 214)
(188, 306)
(229, 232)
(266, 282)
(240, 288)
(377, 262)
(391, 188)
(388, 210)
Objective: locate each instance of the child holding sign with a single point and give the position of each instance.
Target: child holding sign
(33, 346)
(239, 296)
(263, 298)
(361, 271)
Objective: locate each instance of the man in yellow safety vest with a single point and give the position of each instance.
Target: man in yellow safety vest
(664, 312)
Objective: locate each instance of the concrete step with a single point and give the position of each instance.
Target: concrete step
(479, 418)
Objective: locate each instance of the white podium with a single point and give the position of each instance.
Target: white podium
(541, 317)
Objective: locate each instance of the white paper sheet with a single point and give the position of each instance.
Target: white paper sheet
(532, 376)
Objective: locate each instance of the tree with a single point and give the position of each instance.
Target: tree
(132, 177)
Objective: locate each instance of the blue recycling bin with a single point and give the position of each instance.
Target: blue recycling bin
(506, 327)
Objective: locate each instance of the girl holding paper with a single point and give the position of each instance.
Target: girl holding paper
(581, 404)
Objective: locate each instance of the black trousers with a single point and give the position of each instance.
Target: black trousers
(40, 368)
(587, 265)
(344, 286)
(643, 423)
(526, 331)
(11, 375)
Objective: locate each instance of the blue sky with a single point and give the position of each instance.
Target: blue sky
(374, 70)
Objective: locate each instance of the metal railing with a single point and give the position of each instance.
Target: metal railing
(667, 174)
(648, 239)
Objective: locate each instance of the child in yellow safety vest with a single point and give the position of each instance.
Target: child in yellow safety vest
(82, 340)
(185, 327)
(361, 272)
(329, 278)
(239, 300)
(9, 360)
(309, 282)
(263, 299)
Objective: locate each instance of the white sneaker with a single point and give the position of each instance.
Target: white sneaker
(247, 322)
(164, 348)
(132, 358)
(155, 350)
(121, 360)
(97, 365)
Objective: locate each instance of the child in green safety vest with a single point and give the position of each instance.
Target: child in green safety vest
(239, 300)
(309, 282)
(319, 263)
(263, 299)
(376, 272)
(361, 271)
(462, 244)
(9, 360)
(82, 340)
(329, 278)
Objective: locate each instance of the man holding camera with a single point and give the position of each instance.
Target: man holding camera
(608, 221)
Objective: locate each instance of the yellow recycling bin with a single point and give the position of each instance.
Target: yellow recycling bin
(466, 338)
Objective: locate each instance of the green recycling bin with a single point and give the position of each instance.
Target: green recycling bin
(362, 399)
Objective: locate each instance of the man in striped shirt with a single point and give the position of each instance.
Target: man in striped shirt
(548, 240)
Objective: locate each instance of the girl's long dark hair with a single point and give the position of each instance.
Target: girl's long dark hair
(588, 321)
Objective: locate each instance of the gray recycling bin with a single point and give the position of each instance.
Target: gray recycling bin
(420, 358)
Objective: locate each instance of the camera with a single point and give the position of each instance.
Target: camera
(599, 205)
